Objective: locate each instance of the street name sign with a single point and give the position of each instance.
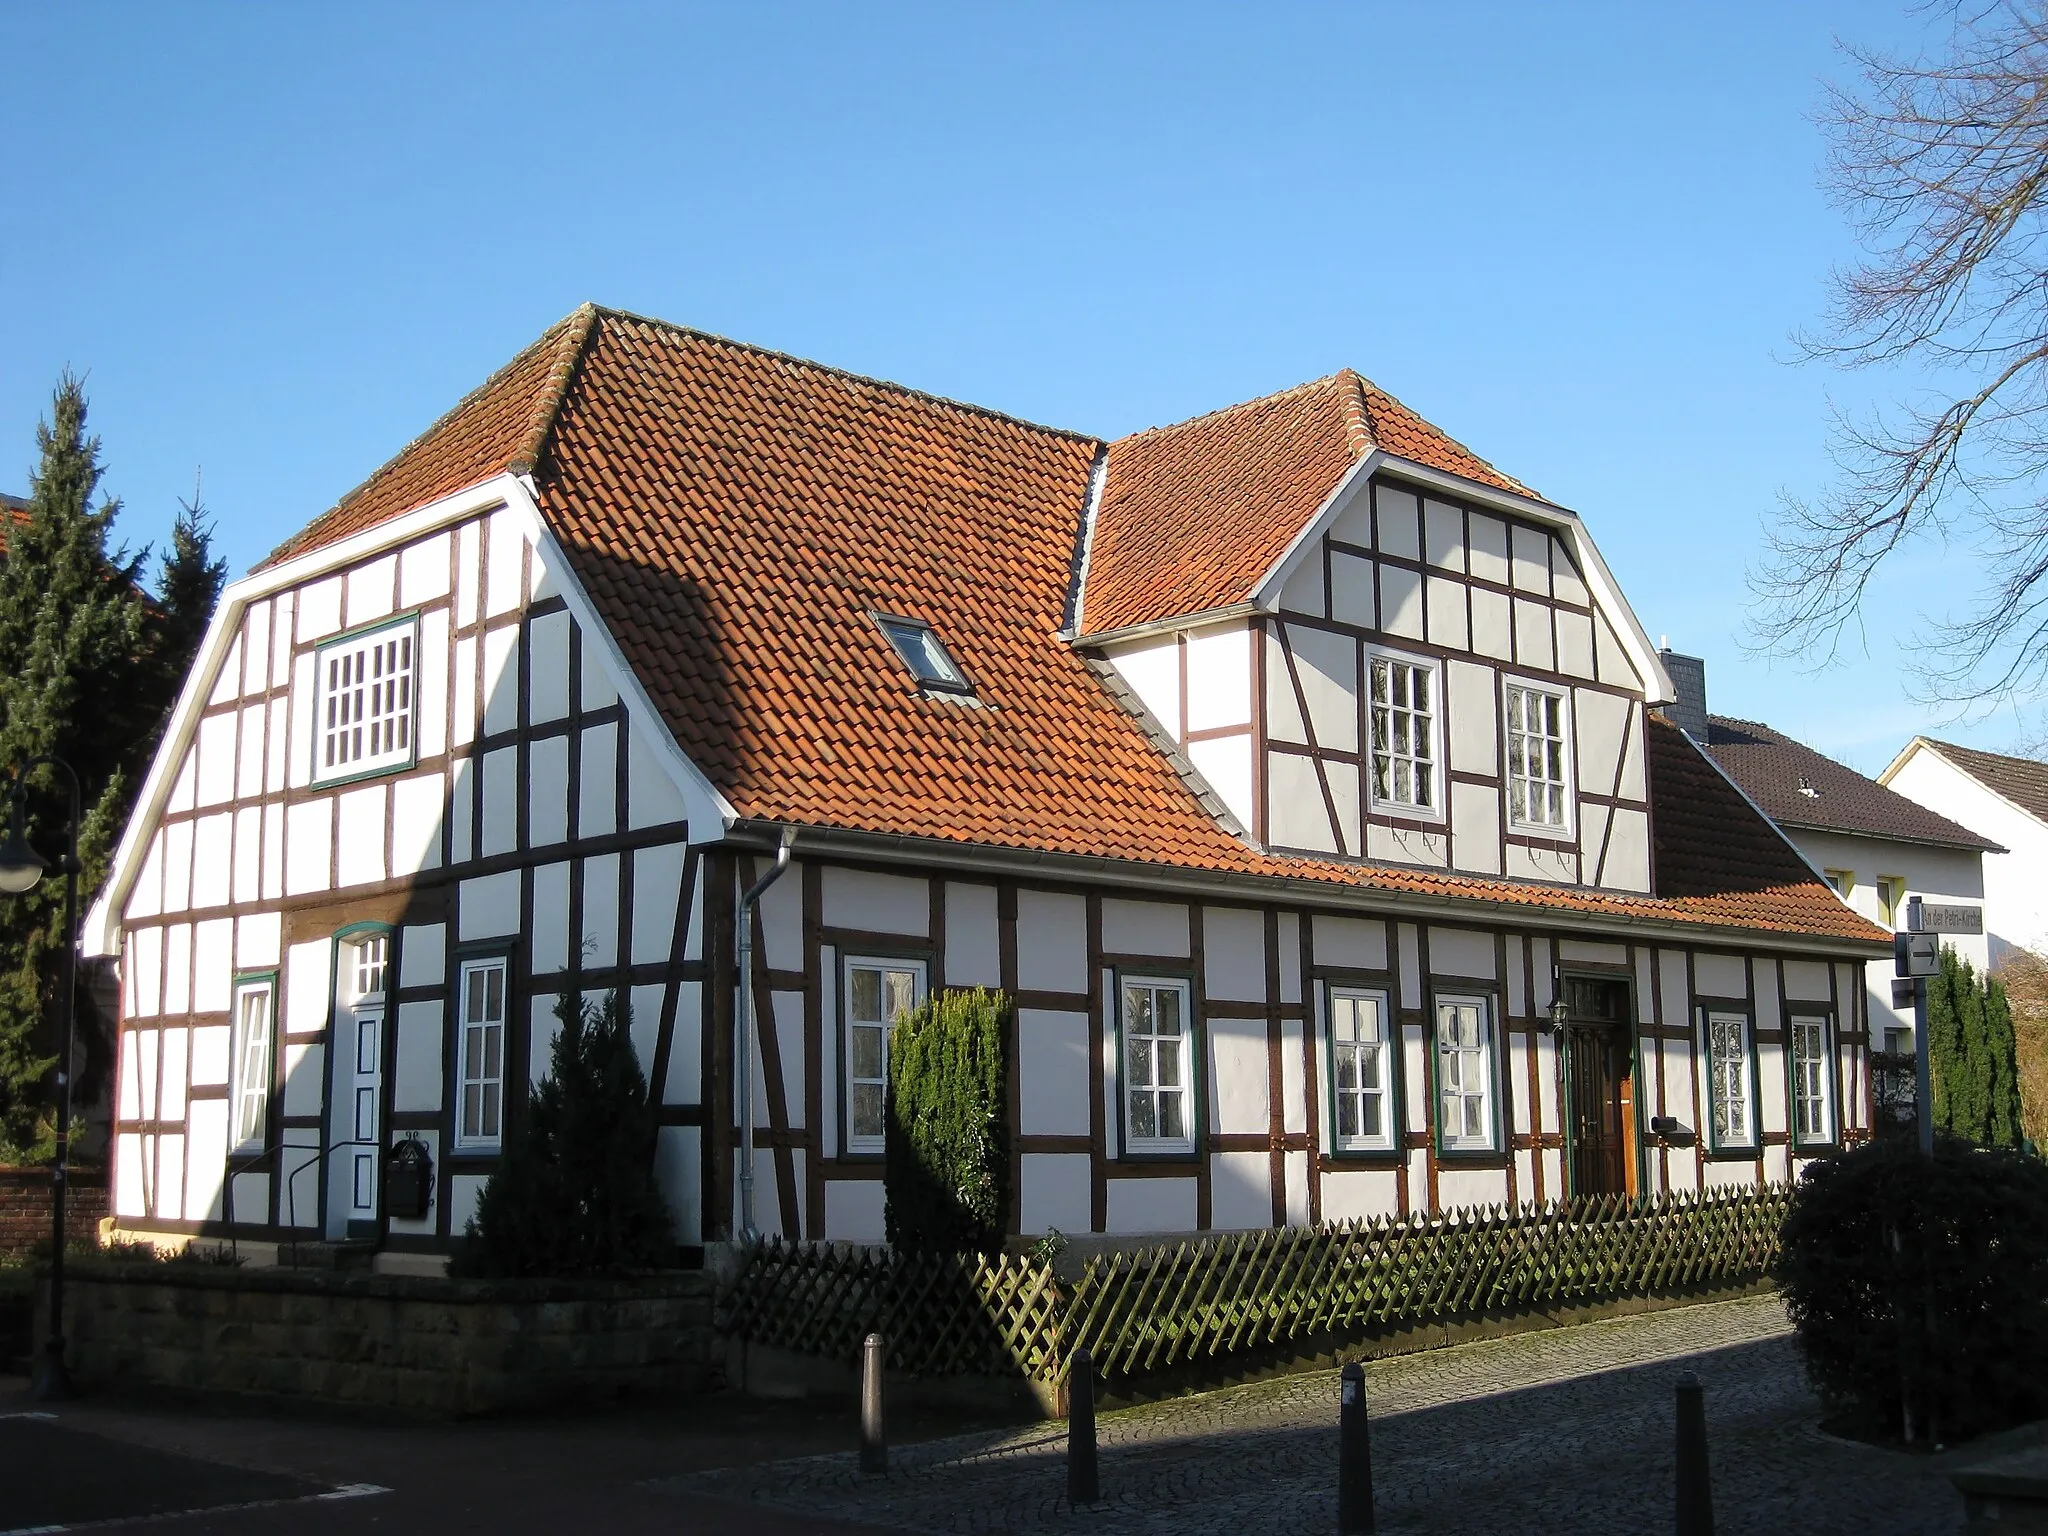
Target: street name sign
(1939, 917)
(1916, 954)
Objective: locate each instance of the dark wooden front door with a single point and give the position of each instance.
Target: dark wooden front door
(1600, 1086)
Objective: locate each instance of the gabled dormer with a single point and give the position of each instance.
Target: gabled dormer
(1373, 644)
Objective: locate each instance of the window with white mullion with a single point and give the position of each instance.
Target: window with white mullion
(365, 708)
(1465, 1075)
(1361, 1073)
(1403, 711)
(480, 1107)
(878, 993)
(371, 958)
(1731, 1081)
(254, 1013)
(1812, 1081)
(1157, 1066)
(1538, 786)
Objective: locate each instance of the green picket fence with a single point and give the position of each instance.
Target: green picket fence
(1153, 1309)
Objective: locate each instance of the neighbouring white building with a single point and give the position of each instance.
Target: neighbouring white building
(1299, 776)
(2006, 800)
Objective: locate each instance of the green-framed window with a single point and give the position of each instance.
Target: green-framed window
(254, 1046)
(1467, 1056)
(1728, 1043)
(363, 714)
(1362, 1069)
(1813, 1079)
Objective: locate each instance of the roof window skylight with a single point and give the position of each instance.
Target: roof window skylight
(923, 653)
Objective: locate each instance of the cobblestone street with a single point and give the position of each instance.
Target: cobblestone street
(1569, 1430)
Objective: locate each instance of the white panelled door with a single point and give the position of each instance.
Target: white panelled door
(360, 1077)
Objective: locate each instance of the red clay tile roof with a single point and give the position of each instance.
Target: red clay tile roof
(1193, 516)
(1797, 787)
(737, 516)
(2019, 779)
(13, 513)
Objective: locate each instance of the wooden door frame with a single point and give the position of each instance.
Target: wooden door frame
(1632, 1130)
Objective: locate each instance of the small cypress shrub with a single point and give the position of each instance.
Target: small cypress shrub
(947, 1156)
(1971, 1054)
(574, 1193)
(1922, 1279)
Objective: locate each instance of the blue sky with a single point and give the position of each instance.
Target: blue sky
(280, 240)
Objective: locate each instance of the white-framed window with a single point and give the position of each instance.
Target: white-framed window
(1361, 1067)
(1156, 1043)
(1813, 1080)
(1539, 758)
(1465, 1075)
(255, 1013)
(1731, 1080)
(1403, 710)
(363, 717)
(1891, 898)
(370, 959)
(1841, 881)
(480, 1100)
(878, 992)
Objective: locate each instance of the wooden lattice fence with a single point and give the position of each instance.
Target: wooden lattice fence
(1153, 1309)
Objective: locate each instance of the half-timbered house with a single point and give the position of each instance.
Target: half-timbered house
(1298, 774)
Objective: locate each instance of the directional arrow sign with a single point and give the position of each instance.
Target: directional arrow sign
(1916, 954)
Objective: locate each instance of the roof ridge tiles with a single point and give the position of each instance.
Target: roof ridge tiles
(1209, 417)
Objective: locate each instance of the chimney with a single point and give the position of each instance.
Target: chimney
(1689, 677)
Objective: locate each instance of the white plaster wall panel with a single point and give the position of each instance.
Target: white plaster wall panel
(1295, 1178)
(1238, 1102)
(594, 679)
(277, 745)
(1634, 783)
(129, 1097)
(1352, 600)
(505, 557)
(1226, 762)
(678, 1168)
(463, 1189)
(1470, 1188)
(1546, 1086)
(319, 609)
(974, 953)
(1518, 1084)
(1530, 559)
(170, 1177)
(213, 964)
(547, 815)
(1565, 584)
(854, 1209)
(304, 1071)
(1414, 1077)
(211, 1044)
(872, 903)
(1284, 719)
(1443, 533)
(657, 889)
(256, 648)
(1719, 976)
(1593, 821)
(1553, 1170)
(1532, 636)
(1447, 613)
(1052, 942)
(1327, 666)
(1400, 845)
(547, 645)
(283, 628)
(789, 1035)
(468, 578)
(423, 571)
(645, 1003)
(541, 581)
(1152, 671)
(1409, 949)
(177, 969)
(212, 859)
(299, 758)
(601, 911)
(1234, 954)
(1525, 1174)
(308, 846)
(1401, 601)
(1052, 1072)
(1518, 991)
(371, 587)
(651, 796)
(216, 749)
(1602, 721)
(227, 682)
(185, 787)
(1610, 659)
(488, 906)
(693, 935)
(1145, 928)
(499, 831)
(1240, 1191)
(1293, 1092)
(129, 1199)
(1353, 522)
(1671, 984)
(1777, 1165)
(1151, 1205)
(148, 1058)
(1296, 814)
(273, 852)
(1585, 952)
(1542, 864)
(146, 959)
(1718, 1173)
(501, 679)
(416, 812)
(359, 857)
(1220, 678)
(549, 938)
(1475, 744)
(782, 914)
(1399, 522)
(251, 1191)
(685, 1064)
(423, 955)
(1418, 1179)
(177, 1054)
(207, 1158)
(1354, 942)
(1461, 952)
(1628, 852)
(1053, 1194)
(1574, 644)
(146, 896)
(1287, 932)
(597, 789)
(1488, 553)
(1360, 1194)
(248, 854)
(767, 1203)
(462, 713)
(431, 724)
(249, 751)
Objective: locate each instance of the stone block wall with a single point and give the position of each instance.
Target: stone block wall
(25, 1207)
(421, 1346)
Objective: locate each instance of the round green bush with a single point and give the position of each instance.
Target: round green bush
(1924, 1281)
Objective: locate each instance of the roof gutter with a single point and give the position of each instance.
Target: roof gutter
(1091, 869)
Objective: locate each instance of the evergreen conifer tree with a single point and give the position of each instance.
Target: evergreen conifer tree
(188, 588)
(946, 1153)
(1971, 1054)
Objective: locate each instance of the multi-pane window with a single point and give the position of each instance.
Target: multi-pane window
(1403, 733)
(480, 1111)
(365, 708)
(1159, 1111)
(1464, 1075)
(1812, 1103)
(878, 993)
(1361, 1099)
(371, 956)
(253, 1014)
(1730, 1080)
(1536, 757)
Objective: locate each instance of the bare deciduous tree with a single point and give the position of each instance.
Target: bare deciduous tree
(1942, 167)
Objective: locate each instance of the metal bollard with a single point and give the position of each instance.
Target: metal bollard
(1354, 1457)
(1083, 1487)
(874, 1438)
(1695, 1487)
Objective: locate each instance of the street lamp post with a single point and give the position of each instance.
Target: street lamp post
(21, 869)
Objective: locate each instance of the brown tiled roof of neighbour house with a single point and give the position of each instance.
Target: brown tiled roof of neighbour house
(738, 516)
(2019, 779)
(13, 512)
(1797, 787)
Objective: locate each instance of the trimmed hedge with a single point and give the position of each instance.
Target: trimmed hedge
(1924, 1282)
(1971, 1056)
(947, 1156)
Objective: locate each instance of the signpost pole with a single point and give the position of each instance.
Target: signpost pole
(1923, 1079)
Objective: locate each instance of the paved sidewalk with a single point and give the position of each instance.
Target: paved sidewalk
(1565, 1431)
